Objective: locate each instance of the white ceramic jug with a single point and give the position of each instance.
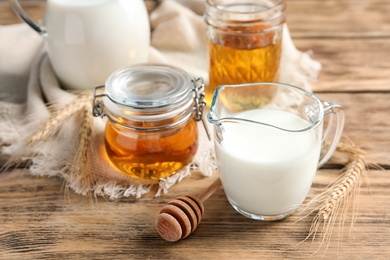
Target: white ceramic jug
(88, 39)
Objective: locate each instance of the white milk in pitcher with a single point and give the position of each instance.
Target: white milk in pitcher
(267, 171)
(89, 39)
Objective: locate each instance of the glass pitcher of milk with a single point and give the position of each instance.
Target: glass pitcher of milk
(89, 39)
(269, 142)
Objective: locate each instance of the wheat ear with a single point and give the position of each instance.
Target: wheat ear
(79, 169)
(58, 117)
(337, 199)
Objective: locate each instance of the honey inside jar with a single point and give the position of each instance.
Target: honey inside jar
(243, 59)
(150, 155)
(245, 45)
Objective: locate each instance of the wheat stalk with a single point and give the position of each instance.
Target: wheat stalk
(79, 169)
(58, 117)
(334, 203)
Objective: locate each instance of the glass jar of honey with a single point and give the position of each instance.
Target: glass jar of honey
(245, 45)
(151, 110)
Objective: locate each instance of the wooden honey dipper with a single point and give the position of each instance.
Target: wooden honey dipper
(180, 217)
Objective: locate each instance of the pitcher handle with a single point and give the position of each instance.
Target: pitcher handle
(336, 113)
(26, 17)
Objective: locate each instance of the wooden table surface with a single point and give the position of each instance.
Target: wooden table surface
(351, 38)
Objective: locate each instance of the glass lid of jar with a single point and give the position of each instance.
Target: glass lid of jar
(148, 86)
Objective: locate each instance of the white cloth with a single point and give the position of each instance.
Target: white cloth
(28, 85)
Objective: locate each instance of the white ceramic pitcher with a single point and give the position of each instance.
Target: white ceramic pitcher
(88, 39)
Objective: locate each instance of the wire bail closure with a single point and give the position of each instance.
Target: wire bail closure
(199, 102)
(98, 107)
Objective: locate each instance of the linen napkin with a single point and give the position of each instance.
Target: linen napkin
(28, 86)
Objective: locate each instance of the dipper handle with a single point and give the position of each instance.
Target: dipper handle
(210, 190)
(181, 216)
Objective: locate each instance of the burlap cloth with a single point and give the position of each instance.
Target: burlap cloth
(28, 85)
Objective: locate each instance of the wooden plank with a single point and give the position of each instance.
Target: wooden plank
(367, 123)
(34, 8)
(39, 221)
(350, 64)
(338, 18)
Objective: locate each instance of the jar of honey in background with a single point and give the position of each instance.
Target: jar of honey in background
(151, 131)
(245, 45)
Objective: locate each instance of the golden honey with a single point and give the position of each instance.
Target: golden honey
(150, 155)
(229, 65)
(152, 112)
(245, 45)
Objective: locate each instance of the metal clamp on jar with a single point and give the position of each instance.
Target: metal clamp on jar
(151, 131)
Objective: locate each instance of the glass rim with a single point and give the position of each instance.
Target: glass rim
(218, 5)
(266, 18)
(211, 116)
